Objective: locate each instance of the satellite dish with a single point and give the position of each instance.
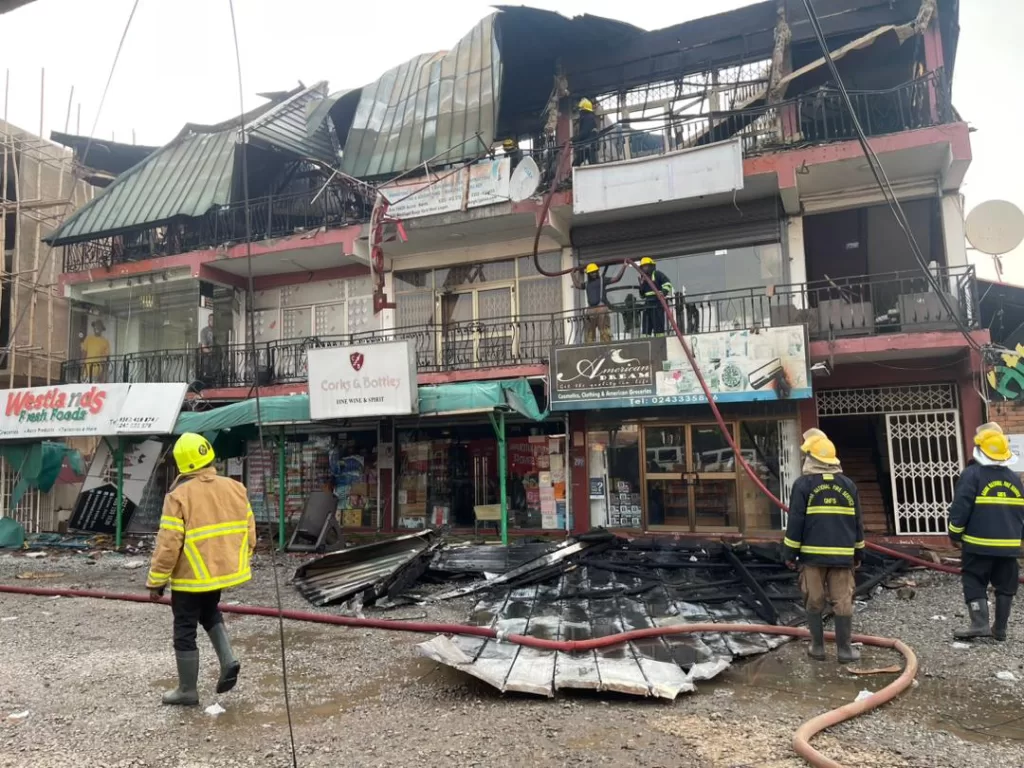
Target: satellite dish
(525, 180)
(995, 227)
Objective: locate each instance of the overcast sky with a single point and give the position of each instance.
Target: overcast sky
(178, 63)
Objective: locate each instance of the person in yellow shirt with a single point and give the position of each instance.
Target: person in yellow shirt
(96, 351)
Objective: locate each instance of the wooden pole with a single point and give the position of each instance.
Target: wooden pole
(37, 239)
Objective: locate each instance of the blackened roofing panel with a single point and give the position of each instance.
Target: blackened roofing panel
(285, 126)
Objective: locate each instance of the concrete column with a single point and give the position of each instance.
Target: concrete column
(571, 302)
(793, 252)
(953, 237)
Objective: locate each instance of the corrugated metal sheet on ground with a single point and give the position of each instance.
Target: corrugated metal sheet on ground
(660, 667)
(486, 558)
(342, 575)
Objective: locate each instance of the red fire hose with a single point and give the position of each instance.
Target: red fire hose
(801, 739)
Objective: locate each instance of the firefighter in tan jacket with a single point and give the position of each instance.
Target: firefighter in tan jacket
(206, 539)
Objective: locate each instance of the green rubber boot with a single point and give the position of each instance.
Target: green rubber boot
(978, 610)
(845, 651)
(816, 650)
(186, 695)
(229, 665)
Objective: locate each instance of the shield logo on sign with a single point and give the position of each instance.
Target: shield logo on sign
(356, 358)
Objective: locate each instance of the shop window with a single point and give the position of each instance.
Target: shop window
(443, 474)
(613, 458)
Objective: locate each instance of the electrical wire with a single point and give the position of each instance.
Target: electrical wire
(12, 334)
(256, 392)
(882, 179)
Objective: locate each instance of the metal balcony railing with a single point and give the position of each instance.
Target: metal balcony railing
(810, 118)
(897, 302)
(271, 216)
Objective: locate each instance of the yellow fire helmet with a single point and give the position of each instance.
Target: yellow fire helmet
(592, 268)
(991, 441)
(508, 144)
(586, 105)
(192, 452)
(821, 448)
(646, 260)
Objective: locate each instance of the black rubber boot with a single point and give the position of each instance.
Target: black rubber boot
(1003, 603)
(229, 665)
(816, 650)
(186, 694)
(979, 621)
(845, 651)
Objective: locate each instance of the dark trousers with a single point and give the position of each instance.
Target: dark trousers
(653, 319)
(981, 570)
(190, 609)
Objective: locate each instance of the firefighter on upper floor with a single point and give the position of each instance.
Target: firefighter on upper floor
(825, 539)
(653, 314)
(205, 543)
(986, 519)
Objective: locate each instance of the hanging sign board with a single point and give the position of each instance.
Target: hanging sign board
(96, 507)
(97, 410)
(369, 380)
(738, 366)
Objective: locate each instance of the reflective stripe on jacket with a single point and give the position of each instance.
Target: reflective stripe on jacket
(659, 279)
(987, 513)
(207, 535)
(825, 526)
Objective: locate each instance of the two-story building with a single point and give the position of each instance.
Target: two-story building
(723, 151)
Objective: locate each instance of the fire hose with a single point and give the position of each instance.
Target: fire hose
(801, 740)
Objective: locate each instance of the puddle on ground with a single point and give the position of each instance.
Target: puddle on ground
(968, 711)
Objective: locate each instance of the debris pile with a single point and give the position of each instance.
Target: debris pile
(586, 587)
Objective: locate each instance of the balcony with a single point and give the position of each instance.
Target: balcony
(270, 217)
(810, 118)
(832, 309)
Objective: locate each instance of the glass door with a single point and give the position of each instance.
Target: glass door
(477, 327)
(667, 495)
(690, 478)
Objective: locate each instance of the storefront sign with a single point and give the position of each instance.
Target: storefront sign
(738, 366)
(445, 192)
(75, 410)
(371, 380)
(96, 507)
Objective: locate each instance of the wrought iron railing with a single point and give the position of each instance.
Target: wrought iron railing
(271, 216)
(897, 302)
(815, 117)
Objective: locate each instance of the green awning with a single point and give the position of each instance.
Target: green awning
(514, 394)
(37, 465)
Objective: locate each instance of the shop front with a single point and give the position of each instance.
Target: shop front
(656, 457)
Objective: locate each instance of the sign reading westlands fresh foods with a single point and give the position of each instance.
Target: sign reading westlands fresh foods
(372, 380)
(70, 410)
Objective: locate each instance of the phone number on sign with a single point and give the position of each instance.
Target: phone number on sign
(669, 400)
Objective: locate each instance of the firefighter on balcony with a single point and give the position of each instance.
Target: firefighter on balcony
(653, 317)
(206, 539)
(825, 538)
(598, 319)
(986, 519)
(586, 134)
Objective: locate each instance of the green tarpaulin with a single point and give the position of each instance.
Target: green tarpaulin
(12, 534)
(38, 465)
(514, 394)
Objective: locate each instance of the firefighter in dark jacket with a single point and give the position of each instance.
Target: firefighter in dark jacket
(986, 519)
(825, 538)
(653, 317)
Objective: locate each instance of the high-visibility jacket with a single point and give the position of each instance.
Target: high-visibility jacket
(207, 535)
(660, 280)
(987, 513)
(825, 526)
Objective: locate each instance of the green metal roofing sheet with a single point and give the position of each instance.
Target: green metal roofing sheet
(196, 172)
(430, 108)
(187, 177)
